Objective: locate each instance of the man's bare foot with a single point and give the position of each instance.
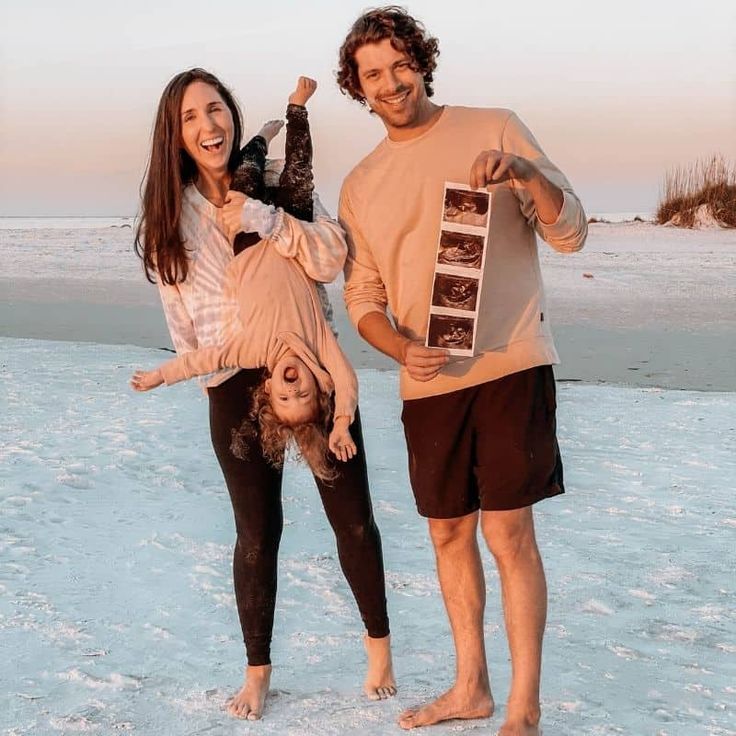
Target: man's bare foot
(450, 705)
(305, 88)
(270, 130)
(521, 722)
(379, 679)
(248, 703)
(519, 728)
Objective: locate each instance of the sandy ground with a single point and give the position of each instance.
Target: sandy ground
(641, 305)
(117, 613)
(640, 630)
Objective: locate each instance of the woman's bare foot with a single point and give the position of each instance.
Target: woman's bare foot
(379, 679)
(305, 88)
(270, 130)
(453, 704)
(248, 703)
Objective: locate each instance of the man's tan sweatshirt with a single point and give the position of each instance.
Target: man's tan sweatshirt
(391, 209)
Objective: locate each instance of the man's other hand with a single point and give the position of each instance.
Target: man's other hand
(422, 363)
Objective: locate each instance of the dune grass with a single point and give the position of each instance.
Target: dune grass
(705, 190)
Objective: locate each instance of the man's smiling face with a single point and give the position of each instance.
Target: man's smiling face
(393, 88)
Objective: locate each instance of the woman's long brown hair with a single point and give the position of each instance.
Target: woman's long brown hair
(170, 168)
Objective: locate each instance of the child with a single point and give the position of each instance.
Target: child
(275, 320)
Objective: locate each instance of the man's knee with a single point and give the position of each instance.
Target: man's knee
(448, 532)
(509, 534)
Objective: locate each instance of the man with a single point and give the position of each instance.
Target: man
(480, 431)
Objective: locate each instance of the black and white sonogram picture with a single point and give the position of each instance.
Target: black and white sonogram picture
(460, 249)
(455, 292)
(460, 264)
(454, 333)
(466, 207)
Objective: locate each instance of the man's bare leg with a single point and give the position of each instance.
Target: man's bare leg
(379, 679)
(463, 587)
(248, 703)
(510, 537)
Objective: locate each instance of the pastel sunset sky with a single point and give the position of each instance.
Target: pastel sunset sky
(616, 92)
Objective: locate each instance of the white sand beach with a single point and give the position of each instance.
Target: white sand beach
(116, 605)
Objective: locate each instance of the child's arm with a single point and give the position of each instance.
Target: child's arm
(331, 356)
(343, 376)
(234, 353)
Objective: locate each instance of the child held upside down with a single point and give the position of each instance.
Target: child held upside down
(275, 320)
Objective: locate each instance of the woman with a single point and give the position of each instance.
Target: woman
(190, 219)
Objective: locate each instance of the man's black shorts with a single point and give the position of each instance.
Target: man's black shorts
(491, 446)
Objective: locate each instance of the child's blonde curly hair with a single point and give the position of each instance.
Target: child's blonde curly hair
(309, 438)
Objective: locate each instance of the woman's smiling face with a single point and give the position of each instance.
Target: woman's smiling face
(207, 128)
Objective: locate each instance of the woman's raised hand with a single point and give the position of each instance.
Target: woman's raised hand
(229, 216)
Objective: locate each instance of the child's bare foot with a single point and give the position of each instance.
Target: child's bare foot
(248, 703)
(305, 88)
(270, 130)
(379, 680)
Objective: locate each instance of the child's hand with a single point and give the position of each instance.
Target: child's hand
(340, 441)
(146, 380)
(305, 88)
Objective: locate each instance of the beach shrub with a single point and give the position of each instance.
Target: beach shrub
(699, 194)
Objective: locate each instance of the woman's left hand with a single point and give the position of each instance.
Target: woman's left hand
(229, 217)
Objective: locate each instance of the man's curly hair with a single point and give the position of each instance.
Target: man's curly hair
(406, 34)
(309, 438)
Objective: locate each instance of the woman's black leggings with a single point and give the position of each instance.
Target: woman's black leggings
(255, 492)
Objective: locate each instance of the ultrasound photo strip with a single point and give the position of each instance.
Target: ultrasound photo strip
(463, 250)
(465, 206)
(455, 292)
(459, 268)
